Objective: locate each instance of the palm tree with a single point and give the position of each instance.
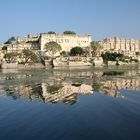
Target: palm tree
(95, 46)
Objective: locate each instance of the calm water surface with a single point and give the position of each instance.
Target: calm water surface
(70, 104)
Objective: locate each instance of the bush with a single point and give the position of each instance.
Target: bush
(112, 56)
(76, 51)
(51, 32)
(69, 32)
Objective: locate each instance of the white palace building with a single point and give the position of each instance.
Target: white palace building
(128, 47)
(67, 41)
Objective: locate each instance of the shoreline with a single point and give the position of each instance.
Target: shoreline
(41, 66)
(36, 66)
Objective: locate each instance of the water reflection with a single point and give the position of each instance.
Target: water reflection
(65, 86)
(66, 93)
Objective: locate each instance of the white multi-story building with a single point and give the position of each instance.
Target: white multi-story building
(67, 41)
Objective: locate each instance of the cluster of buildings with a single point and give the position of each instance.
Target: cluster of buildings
(128, 47)
(37, 42)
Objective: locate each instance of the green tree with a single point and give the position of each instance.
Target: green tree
(76, 51)
(52, 48)
(51, 32)
(95, 46)
(29, 55)
(137, 53)
(69, 32)
(10, 57)
(112, 56)
(10, 40)
(4, 49)
(63, 53)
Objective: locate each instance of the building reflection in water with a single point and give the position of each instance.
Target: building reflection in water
(64, 87)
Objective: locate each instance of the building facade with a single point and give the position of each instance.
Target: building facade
(37, 42)
(66, 41)
(127, 47)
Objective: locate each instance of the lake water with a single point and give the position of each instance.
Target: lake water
(70, 104)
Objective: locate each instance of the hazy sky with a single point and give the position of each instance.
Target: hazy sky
(100, 18)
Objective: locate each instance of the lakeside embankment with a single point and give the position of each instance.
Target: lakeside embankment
(33, 66)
